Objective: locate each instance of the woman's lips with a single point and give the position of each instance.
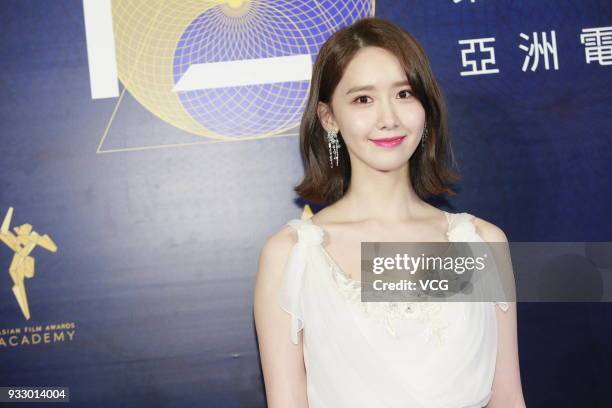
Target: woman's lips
(388, 142)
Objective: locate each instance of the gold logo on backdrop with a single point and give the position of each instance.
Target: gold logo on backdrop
(306, 212)
(22, 265)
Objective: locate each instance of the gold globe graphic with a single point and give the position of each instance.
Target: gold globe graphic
(157, 42)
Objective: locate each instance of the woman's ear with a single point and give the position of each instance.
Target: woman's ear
(326, 117)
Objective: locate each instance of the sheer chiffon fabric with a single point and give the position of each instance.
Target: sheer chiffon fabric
(386, 354)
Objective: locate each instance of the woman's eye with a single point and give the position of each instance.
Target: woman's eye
(361, 99)
(408, 91)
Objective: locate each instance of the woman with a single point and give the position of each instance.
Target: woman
(375, 145)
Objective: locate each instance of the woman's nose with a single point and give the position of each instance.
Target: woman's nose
(386, 116)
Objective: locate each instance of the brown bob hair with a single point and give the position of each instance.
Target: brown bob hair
(430, 167)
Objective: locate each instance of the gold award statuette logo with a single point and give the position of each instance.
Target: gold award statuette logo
(22, 265)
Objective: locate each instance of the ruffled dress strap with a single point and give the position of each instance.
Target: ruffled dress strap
(461, 228)
(309, 235)
(503, 306)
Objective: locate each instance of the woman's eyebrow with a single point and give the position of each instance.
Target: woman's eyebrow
(370, 87)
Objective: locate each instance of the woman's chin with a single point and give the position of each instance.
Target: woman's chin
(388, 166)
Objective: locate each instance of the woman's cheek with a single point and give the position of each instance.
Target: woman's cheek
(361, 127)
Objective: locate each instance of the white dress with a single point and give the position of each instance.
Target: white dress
(386, 354)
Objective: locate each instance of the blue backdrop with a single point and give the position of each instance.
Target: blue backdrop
(159, 226)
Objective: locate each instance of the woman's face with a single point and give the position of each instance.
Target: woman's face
(373, 101)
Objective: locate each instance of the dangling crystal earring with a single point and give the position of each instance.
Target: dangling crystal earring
(333, 144)
(424, 137)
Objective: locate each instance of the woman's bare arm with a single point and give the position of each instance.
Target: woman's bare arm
(282, 361)
(507, 391)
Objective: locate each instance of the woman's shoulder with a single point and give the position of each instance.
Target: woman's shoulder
(281, 240)
(273, 256)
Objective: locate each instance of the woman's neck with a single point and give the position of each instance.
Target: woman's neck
(386, 196)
